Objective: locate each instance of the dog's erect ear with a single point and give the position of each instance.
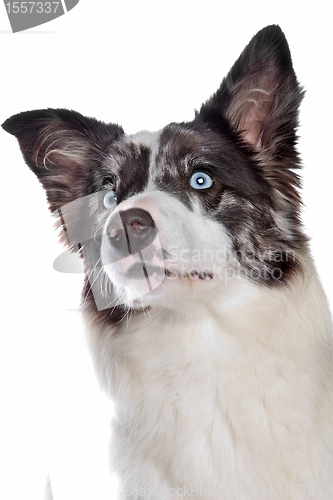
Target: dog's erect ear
(260, 96)
(61, 147)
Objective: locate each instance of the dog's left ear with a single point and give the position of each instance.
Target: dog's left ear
(260, 96)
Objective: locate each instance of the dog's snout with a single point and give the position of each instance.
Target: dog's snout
(131, 230)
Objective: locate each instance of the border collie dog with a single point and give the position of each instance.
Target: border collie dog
(205, 316)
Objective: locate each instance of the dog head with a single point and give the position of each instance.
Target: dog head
(190, 209)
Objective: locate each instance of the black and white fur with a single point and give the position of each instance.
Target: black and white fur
(213, 336)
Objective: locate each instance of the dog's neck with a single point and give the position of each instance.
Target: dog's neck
(243, 321)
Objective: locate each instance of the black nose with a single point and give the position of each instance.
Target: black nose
(131, 230)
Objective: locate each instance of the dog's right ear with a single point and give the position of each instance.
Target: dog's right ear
(62, 148)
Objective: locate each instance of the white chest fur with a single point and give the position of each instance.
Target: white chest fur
(235, 403)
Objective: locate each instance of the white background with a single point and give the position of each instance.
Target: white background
(141, 64)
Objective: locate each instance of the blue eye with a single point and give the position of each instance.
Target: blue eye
(110, 199)
(201, 180)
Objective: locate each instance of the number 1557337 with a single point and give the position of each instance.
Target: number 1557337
(32, 7)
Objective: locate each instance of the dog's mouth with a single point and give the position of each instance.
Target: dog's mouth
(202, 275)
(143, 270)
